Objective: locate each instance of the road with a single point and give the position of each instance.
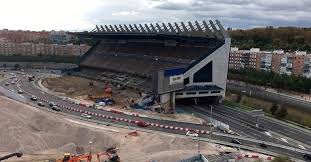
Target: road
(297, 134)
(154, 124)
(270, 96)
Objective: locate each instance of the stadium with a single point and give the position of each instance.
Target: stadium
(167, 62)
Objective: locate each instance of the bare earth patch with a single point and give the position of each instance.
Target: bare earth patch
(43, 135)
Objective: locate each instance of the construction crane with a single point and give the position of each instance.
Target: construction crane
(17, 154)
(111, 153)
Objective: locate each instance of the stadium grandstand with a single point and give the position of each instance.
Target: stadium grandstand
(171, 61)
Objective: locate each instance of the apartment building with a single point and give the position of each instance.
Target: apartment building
(20, 36)
(277, 61)
(40, 49)
(307, 67)
(241, 59)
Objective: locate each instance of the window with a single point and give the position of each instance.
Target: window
(205, 92)
(191, 93)
(205, 74)
(186, 81)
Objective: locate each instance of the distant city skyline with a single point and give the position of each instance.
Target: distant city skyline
(80, 15)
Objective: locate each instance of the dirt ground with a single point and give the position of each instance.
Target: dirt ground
(44, 135)
(74, 86)
(79, 88)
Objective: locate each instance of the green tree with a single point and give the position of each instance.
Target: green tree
(282, 113)
(274, 109)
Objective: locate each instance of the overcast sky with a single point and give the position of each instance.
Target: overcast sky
(79, 15)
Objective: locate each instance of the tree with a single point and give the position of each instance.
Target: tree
(274, 109)
(239, 98)
(282, 113)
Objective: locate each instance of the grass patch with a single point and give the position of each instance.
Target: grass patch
(294, 115)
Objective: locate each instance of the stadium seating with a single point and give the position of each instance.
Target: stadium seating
(141, 58)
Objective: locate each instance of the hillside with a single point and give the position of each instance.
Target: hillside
(269, 38)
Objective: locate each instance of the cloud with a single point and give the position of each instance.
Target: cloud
(84, 15)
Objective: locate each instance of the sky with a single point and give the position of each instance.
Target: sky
(81, 15)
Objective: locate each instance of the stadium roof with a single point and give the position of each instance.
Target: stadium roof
(194, 30)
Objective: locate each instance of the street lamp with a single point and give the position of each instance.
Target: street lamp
(90, 147)
(198, 145)
(211, 119)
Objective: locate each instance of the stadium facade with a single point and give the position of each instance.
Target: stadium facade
(170, 61)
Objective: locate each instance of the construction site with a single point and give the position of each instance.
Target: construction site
(45, 136)
(88, 91)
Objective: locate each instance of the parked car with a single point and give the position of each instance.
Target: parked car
(20, 91)
(13, 82)
(51, 104)
(86, 116)
(33, 98)
(41, 104)
(142, 124)
(235, 141)
(263, 145)
(307, 157)
(56, 108)
(7, 84)
(192, 134)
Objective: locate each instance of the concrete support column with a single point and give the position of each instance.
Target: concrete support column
(173, 101)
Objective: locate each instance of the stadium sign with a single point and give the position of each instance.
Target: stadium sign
(177, 79)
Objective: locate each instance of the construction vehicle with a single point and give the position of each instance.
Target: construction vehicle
(111, 154)
(17, 154)
(76, 158)
(107, 93)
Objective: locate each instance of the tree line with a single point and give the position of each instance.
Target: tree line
(274, 80)
(269, 38)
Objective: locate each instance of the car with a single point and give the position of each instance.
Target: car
(33, 98)
(51, 104)
(307, 157)
(6, 84)
(41, 104)
(37, 71)
(142, 124)
(235, 141)
(192, 134)
(20, 91)
(263, 145)
(86, 116)
(13, 82)
(56, 108)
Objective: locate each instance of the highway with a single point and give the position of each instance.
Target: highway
(301, 135)
(154, 124)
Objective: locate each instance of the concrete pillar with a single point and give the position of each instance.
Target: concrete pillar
(173, 101)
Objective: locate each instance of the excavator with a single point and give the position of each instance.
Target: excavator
(76, 158)
(17, 154)
(111, 154)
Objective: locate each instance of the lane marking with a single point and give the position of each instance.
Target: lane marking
(302, 147)
(284, 140)
(93, 126)
(268, 133)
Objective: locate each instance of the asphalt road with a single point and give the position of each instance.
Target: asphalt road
(270, 96)
(28, 87)
(301, 135)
